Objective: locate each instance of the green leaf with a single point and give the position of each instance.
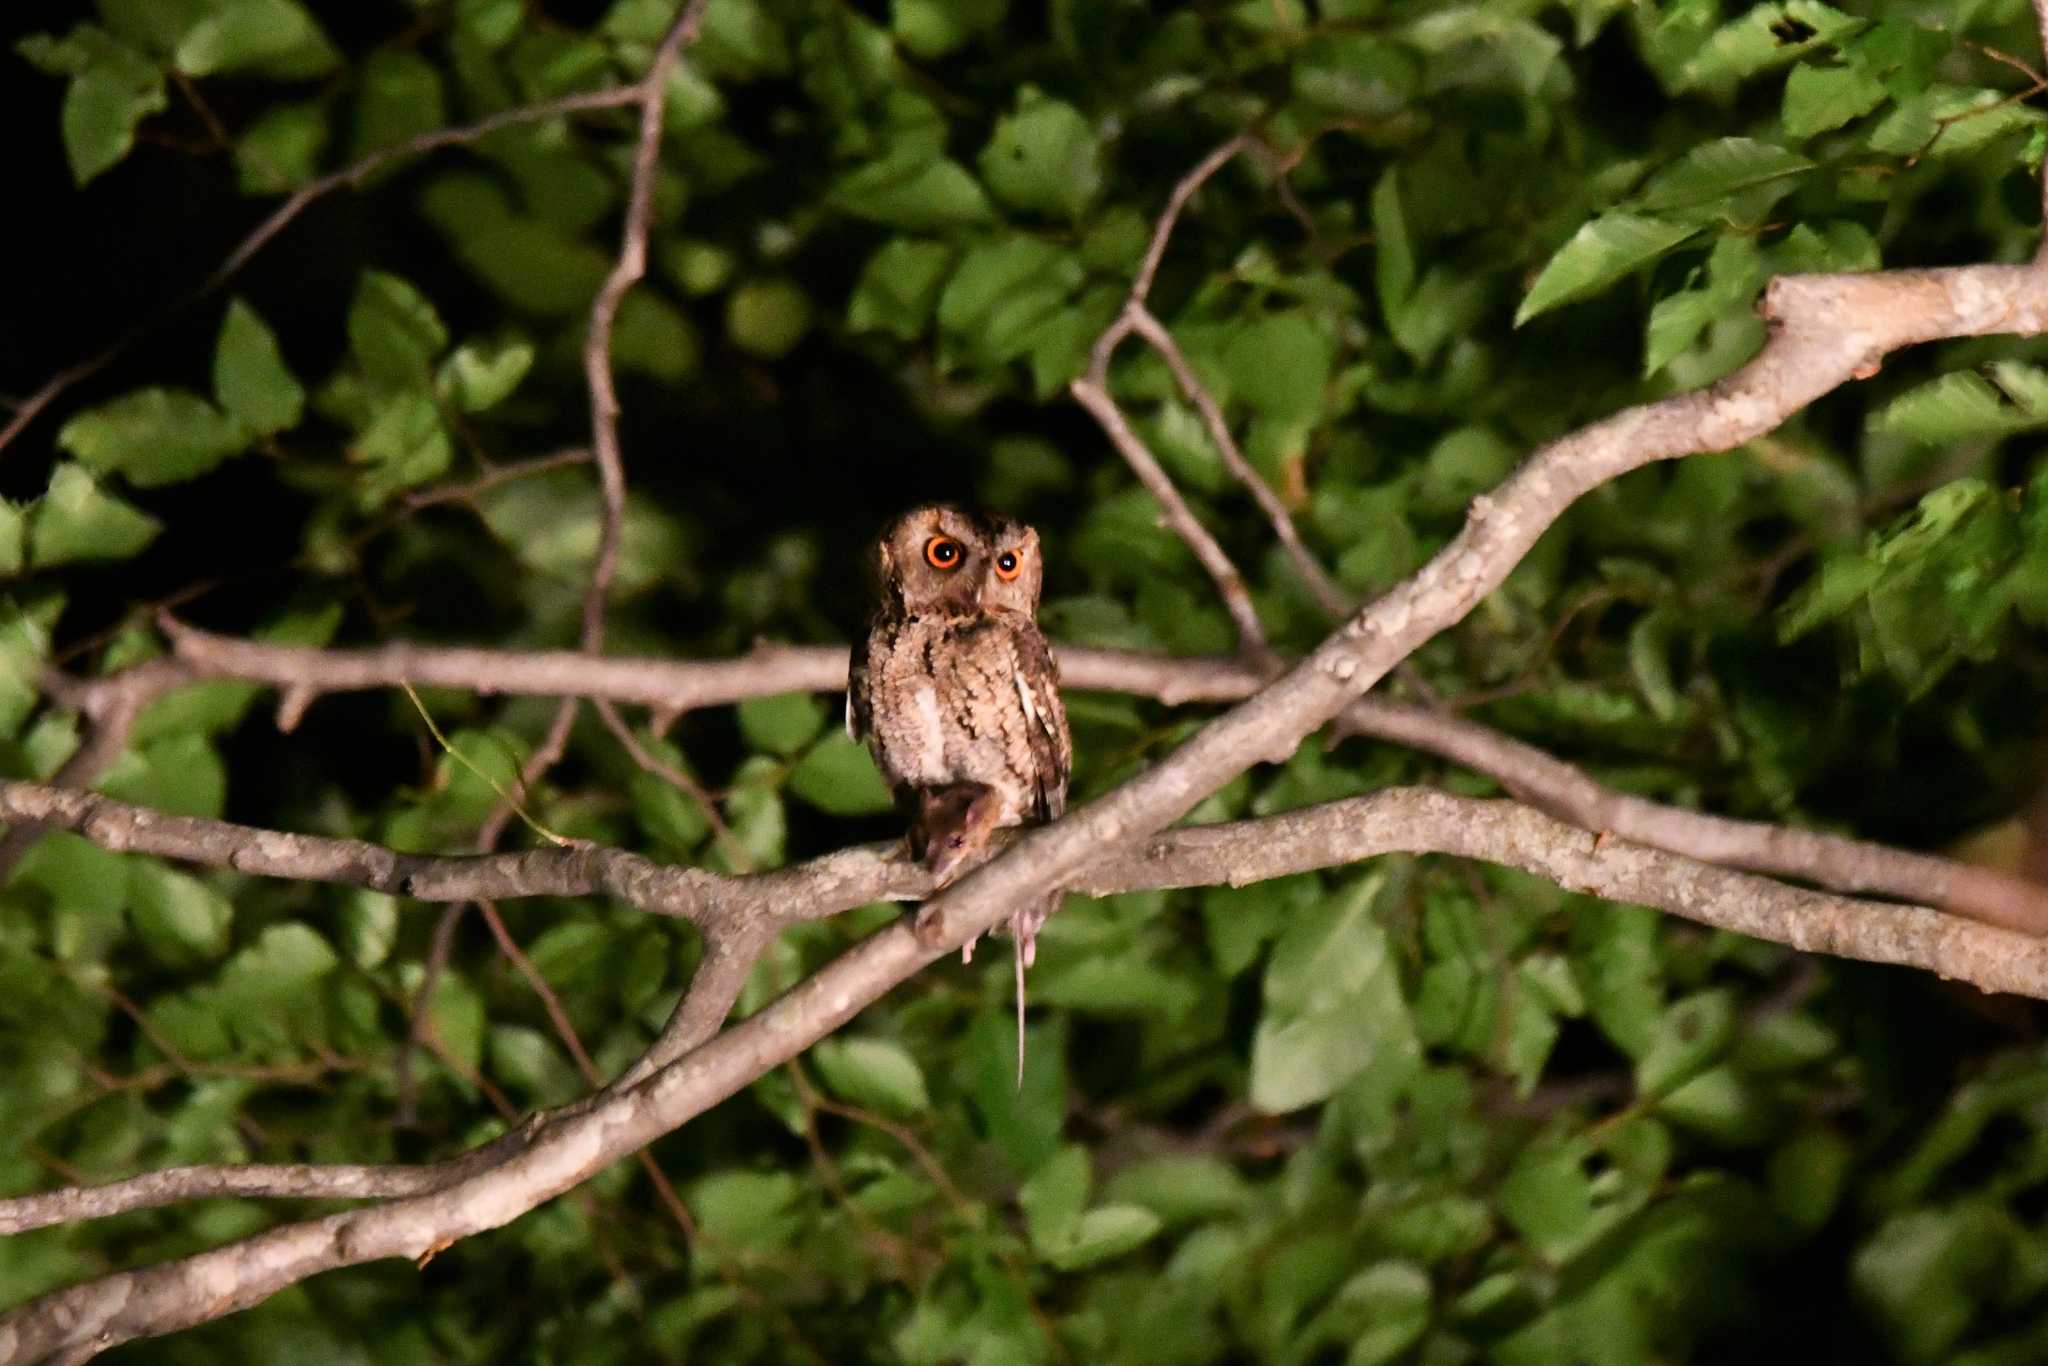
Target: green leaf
(1333, 1007)
(369, 926)
(1183, 1189)
(250, 378)
(1619, 967)
(742, 1212)
(113, 89)
(81, 878)
(534, 266)
(1600, 253)
(177, 917)
(1966, 405)
(654, 337)
(1055, 1196)
(1103, 1234)
(1280, 365)
(460, 1020)
(1925, 1275)
(1765, 37)
(839, 777)
(767, 318)
(13, 538)
(1023, 1122)
(754, 811)
(877, 1073)
(1691, 1036)
(272, 978)
(479, 375)
(933, 28)
(489, 23)
(782, 724)
(274, 38)
(404, 445)
(913, 190)
(179, 773)
(153, 436)
(1043, 158)
(280, 150)
(668, 813)
(394, 332)
(1807, 1176)
(532, 1065)
(1711, 174)
(1381, 1312)
(1820, 98)
(1394, 265)
(899, 288)
(75, 520)
(1357, 75)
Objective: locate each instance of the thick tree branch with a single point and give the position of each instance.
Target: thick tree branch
(1825, 330)
(547, 1157)
(671, 686)
(1834, 861)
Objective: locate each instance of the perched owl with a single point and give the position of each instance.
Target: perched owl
(956, 692)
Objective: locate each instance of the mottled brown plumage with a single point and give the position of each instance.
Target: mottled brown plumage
(957, 694)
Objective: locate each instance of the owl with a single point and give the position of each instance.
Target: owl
(956, 692)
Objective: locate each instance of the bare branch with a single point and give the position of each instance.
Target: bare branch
(555, 1155)
(111, 707)
(1176, 203)
(1091, 392)
(1321, 586)
(254, 1180)
(493, 477)
(1833, 861)
(1825, 330)
(729, 958)
(631, 264)
(671, 684)
(1843, 864)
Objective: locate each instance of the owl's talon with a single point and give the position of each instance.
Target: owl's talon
(967, 949)
(929, 927)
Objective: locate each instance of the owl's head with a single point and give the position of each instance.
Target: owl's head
(941, 558)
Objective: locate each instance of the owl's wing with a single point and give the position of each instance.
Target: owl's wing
(1045, 720)
(859, 706)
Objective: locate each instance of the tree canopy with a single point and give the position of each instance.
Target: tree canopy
(386, 366)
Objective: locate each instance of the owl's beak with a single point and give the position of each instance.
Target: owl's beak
(961, 598)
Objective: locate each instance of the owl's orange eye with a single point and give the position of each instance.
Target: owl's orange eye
(1008, 566)
(942, 552)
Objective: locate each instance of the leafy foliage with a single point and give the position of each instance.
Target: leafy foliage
(1415, 1111)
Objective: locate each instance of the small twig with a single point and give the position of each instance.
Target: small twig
(499, 474)
(681, 685)
(631, 264)
(1176, 203)
(735, 853)
(1333, 600)
(1090, 392)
